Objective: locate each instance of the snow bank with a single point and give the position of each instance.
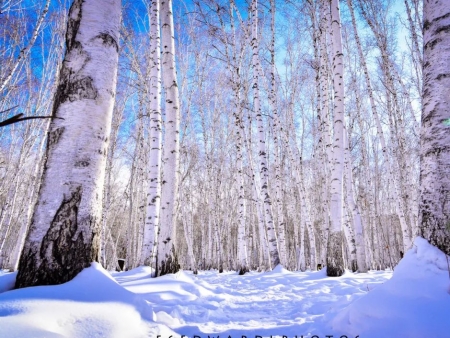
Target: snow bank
(278, 269)
(415, 302)
(93, 304)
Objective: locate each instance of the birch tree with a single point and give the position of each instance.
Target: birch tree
(434, 210)
(335, 260)
(154, 190)
(64, 236)
(263, 163)
(234, 67)
(166, 256)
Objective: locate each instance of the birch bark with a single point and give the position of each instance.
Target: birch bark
(64, 234)
(234, 69)
(335, 259)
(434, 210)
(273, 245)
(151, 227)
(325, 128)
(166, 259)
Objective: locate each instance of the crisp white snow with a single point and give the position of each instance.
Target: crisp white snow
(415, 302)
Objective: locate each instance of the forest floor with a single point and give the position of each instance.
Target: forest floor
(412, 301)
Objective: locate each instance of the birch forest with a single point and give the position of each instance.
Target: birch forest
(221, 134)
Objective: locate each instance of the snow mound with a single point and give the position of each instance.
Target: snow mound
(415, 302)
(93, 304)
(141, 272)
(179, 286)
(278, 269)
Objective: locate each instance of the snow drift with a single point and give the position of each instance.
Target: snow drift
(415, 302)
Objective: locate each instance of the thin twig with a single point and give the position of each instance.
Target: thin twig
(7, 110)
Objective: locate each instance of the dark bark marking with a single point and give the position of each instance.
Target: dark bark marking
(62, 228)
(108, 40)
(73, 89)
(431, 44)
(82, 163)
(444, 29)
(169, 265)
(335, 259)
(73, 24)
(64, 251)
(72, 86)
(243, 270)
(442, 76)
(54, 136)
(427, 24)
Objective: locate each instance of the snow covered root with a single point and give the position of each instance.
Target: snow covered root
(415, 302)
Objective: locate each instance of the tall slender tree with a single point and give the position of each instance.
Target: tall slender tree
(335, 260)
(262, 148)
(154, 189)
(166, 257)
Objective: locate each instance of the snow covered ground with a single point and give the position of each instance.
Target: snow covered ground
(415, 302)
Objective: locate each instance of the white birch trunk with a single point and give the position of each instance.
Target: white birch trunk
(210, 242)
(187, 219)
(335, 260)
(242, 264)
(301, 264)
(354, 234)
(151, 227)
(434, 213)
(64, 235)
(256, 193)
(306, 218)
(356, 216)
(325, 127)
(166, 260)
(263, 164)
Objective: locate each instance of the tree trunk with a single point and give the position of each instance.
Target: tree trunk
(167, 261)
(335, 259)
(64, 236)
(325, 128)
(263, 163)
(434, 210)
(154, 190)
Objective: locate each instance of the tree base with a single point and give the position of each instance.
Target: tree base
(334, 271)
(168, 266)
(335, 257)
(354, 265)
(243, 270)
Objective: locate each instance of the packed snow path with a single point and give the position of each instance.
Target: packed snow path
(271, 303)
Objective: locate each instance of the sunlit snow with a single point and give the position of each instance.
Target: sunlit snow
(415, 302)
